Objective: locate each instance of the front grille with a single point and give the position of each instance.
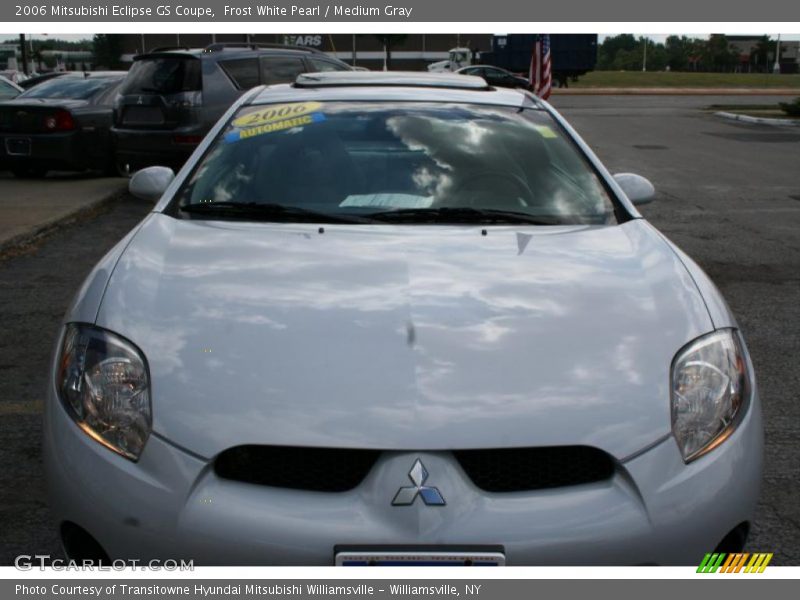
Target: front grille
(340, 470)
(313, 469)
(524, 469)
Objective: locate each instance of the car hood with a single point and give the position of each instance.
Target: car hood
(404, 337)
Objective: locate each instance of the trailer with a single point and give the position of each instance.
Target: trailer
(572, 55)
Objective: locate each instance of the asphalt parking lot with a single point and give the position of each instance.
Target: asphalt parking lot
(728, 194)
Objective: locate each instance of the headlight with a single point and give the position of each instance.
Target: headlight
(104, 383)
(710, 390)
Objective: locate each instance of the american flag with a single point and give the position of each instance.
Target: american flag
(541, 74)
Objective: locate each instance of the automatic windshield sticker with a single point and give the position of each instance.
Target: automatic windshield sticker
(275, 117)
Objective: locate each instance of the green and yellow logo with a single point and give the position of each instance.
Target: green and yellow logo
(735, 563)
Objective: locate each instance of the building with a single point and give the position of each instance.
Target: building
(8, 54)
(45, 60)
(412, 52)
(751, 60)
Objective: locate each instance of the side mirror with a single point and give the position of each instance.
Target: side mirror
(148, 184)
(638, 189)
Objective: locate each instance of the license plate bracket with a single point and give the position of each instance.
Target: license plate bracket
(18, 146)
(419, 556)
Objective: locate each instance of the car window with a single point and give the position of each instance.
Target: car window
(326, 65)
(76, 88)
(243, 72)
(355, 158)
(496, 75)
(106, 96)
(163, 75)
(280, 69)
(7, 90)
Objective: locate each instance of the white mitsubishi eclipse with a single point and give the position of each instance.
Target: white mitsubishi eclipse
(386, 318)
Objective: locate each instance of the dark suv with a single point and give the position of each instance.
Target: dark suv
(172, 96)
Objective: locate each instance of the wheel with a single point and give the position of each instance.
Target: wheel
(120, 167)
(116, 168)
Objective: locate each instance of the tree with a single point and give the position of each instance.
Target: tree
(389, 40)
(717, 55)
(760, 55)
(630, 57)
(107, 50)
(627, 60)
(656, 54)
(679, 52)
(611, 46)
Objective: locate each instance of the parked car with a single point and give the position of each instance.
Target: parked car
(382, 311)
(63, 124)
(9, 89)
(496, 76)
(173, 96)
(37, 79)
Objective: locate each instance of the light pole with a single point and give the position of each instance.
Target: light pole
(644, 59)
(776, 68)
(24, 53)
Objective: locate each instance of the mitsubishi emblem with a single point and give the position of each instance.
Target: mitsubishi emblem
(430, 495)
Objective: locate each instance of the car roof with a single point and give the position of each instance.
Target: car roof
(482, 67)
(392, 86)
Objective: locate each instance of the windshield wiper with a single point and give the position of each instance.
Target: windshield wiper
(266, 212)
(451, 214)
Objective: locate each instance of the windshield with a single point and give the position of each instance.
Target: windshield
(163, 75)
(72, 88)
(373, 159)
(7, 90)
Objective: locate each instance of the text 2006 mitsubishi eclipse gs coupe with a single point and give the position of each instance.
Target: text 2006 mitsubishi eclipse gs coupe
(383, 318)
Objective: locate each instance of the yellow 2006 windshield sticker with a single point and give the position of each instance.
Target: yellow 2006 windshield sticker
(276, 112)
(275, 117)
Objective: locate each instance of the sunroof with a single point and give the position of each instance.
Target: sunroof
(393, 78)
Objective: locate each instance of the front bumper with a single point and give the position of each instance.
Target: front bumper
(655, 510)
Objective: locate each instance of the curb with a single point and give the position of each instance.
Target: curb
(24, 240)
(759, 120)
